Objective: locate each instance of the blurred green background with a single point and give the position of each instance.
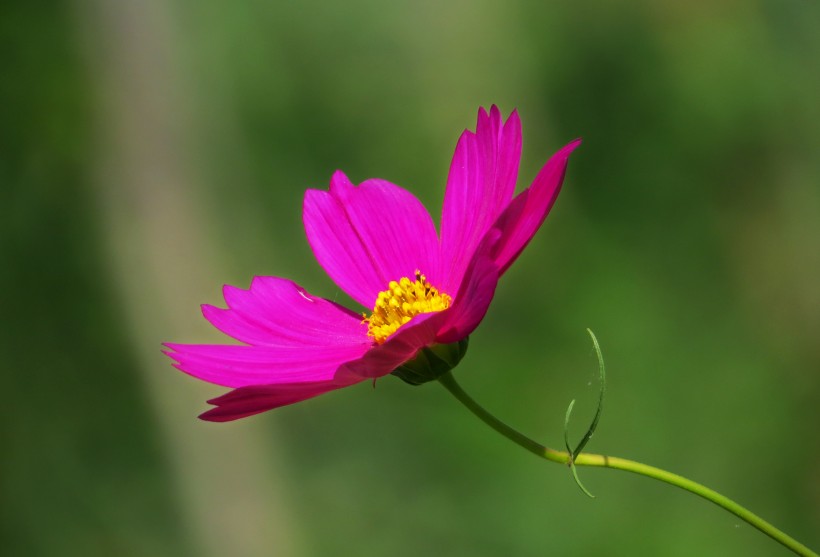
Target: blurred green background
(153, 151)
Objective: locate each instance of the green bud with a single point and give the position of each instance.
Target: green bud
(431, 362)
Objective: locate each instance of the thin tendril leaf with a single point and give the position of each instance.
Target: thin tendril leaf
(571, 462)
(595, 420)
(574, 470)
(566, 427)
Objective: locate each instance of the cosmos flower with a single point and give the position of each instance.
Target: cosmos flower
(425, 292)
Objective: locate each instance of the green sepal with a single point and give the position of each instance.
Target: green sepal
(431, 362)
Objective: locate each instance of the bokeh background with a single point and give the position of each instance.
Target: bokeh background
(153, 151)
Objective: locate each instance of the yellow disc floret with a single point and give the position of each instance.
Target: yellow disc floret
(402, 301)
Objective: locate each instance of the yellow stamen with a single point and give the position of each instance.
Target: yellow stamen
(402, 301)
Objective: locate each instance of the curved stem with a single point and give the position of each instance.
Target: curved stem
(602, 461)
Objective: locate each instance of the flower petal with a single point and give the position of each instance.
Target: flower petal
(474, 295)
(278, 312)
(366, 236)
(400, 347)
(247, 401)
(480, 185)
(524, 216)
(240, 366)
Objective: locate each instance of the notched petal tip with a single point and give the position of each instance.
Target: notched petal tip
(258, 282)
(170, 349)
(493, 115)
(232, 294)
(339, 181)
(495, 120)
(209, 309)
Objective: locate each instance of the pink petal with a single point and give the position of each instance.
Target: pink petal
(524, 216)
(247, 401)
(480, 185)
(279, 312)
(366, 236)
(474, 295)
(400, 347)
(240, 366)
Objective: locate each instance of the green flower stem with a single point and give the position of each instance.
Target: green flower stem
(601, 461)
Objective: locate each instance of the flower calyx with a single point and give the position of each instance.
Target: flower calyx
(431, 362)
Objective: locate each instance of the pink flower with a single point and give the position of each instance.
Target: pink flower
(380, 245)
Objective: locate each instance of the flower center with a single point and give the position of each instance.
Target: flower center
(402, 301)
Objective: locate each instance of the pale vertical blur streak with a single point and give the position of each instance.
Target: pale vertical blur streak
(157, 236)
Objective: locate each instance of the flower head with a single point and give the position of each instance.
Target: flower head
(379, 244)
